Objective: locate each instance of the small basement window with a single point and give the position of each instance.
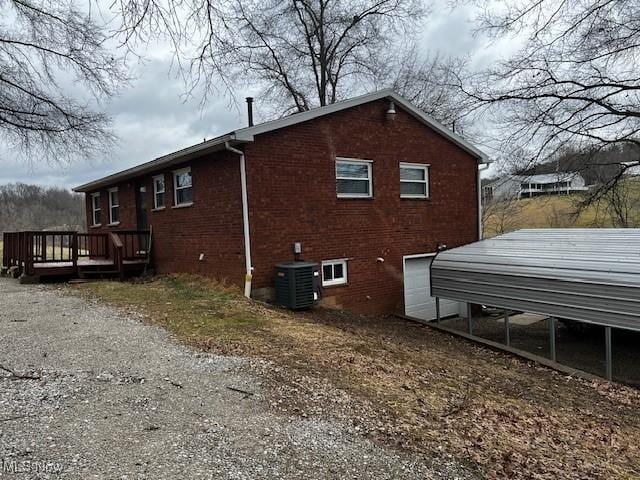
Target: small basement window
(414, 180)
(114, 207)
(158, 192)
(334, 272)
(353, 178)
(182, 192)
(95, 209)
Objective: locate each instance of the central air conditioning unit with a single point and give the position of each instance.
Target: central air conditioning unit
(297, 284)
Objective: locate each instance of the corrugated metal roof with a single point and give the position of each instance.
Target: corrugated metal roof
(590, 275)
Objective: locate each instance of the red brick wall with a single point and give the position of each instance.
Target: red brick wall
(126, 197)
(212, 225)
(292, 197)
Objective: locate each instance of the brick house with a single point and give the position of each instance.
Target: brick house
(369, 187)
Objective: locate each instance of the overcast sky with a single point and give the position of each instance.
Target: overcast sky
(151, 119)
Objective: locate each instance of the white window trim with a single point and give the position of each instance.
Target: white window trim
(175, 187)
(112, 206)
(355, 161)
(94, 209)
(418, 166)
(339, 281)
(164, 190)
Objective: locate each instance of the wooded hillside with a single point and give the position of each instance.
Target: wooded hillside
(31, 207)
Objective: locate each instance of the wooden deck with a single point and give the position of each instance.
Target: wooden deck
(86, 262)
(72, 254)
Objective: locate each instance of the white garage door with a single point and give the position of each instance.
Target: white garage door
(418, 301)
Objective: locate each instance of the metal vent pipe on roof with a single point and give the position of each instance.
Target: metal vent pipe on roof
(250, 110)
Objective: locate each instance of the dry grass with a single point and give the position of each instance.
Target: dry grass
(542, 212)
(191, 308)
(415, 388)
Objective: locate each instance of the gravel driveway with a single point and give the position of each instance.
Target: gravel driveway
(114, 398)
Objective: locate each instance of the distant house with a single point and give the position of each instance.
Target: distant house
(368, 188)
(523, 186)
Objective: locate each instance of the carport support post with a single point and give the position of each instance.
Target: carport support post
(507, 333)
(608, 355)
(437, 309)
(469, 319)
(552, 338)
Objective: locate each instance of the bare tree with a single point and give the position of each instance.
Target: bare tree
(31, 207)
(49, 52)
(428, 82)
(621, 203)
(305, 53)
(501, 215)
(560, 214)
(574, 82)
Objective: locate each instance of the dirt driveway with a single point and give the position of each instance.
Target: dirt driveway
(90, 392)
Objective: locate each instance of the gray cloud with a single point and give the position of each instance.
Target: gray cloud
(150, 119)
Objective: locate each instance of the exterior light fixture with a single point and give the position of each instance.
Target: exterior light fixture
(391, 112)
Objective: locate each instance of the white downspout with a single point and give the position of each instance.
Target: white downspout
(480, 232)
(245, 220)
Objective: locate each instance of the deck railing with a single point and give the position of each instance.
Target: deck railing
(94, 245)
(51, 248)
(135, 244)
(14, 245)
(30, 250)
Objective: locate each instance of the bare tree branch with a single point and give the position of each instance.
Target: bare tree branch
(304, 53)
(573, 83)
(45, 47)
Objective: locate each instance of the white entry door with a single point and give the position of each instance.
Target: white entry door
(418, 302)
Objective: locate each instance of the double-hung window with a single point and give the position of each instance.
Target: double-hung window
(353, 178)
(95, 209)
(182, 191)
(334, 272)
(114, 207)
(414, 180)
(158, 192)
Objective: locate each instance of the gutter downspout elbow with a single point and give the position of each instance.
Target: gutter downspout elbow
(245, 219)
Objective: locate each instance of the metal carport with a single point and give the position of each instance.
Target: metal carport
(587, 275)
